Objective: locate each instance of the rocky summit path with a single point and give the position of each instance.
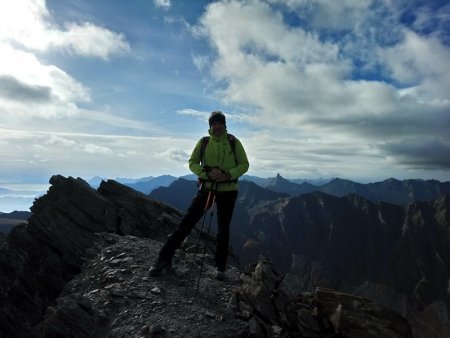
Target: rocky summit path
(114, 297)
(115, 287)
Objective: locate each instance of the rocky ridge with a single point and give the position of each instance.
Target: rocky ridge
(40, 257)
(113, 296)
(78, 268)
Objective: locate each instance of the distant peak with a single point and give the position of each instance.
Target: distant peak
(279, 179)
(392, 180)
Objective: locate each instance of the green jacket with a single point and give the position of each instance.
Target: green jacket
(218, 154)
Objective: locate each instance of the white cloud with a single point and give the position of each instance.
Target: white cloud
(254, 29)
(56, 140)
(32, 91)
(263, 61)
(332, 15)
(304, 82)
(175, 155)
(26, 68)
(321, 88)
(89, 40)
(105, 155)
(293, 155)
(192, 112)
(28, 23)
(113, 120)
(162, 3)
(432, 21)
(98, 150)
(423, 62)
(203, 115)
(30, 88)
(68, 142)
(23, 21)
(200, 61)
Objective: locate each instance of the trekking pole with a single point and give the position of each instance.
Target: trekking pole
(206, 240)
(208, 205)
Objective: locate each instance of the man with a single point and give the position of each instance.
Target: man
(218, 167)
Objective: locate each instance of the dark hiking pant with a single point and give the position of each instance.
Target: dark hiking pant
(225, 201)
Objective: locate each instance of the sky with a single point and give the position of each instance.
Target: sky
(357, 89)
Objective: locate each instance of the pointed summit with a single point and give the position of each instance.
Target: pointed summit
(282, 185)
(277, 181)
(278, 177)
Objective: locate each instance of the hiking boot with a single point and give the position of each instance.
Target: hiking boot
(220, 275)
(158, 268)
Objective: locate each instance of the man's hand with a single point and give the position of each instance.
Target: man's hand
(218, 175)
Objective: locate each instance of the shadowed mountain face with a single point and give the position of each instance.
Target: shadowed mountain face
(178, 195)
(78, 268)
(397, 255)
(357, 240)
(181, 192)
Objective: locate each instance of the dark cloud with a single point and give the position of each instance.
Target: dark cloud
(425, 122)
(420, 153)
(13, 89)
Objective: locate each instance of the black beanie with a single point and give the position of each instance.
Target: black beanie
(217, 116)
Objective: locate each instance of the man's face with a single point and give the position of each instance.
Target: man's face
(217, 128)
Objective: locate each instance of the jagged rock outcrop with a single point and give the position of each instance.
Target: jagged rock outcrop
(79, 268)
(272, 309)
(40, 257)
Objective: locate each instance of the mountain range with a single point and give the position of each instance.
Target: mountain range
(144, 184)
(78, 268)
(391, 190)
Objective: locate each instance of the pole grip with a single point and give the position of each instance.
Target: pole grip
(210, 200)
